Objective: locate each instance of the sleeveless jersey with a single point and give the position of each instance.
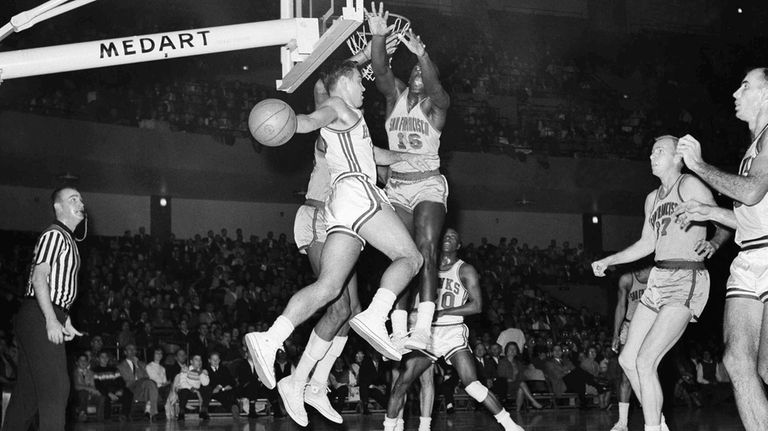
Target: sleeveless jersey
(672, 242)
(349, 151)
(451, 293)
(410, 131)
(634, 295)
(751, 221)
(319, 186)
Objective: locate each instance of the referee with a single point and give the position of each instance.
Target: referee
(43, 324)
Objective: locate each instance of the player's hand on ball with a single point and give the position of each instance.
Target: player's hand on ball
(692, 211)
(413, 42)
(377, 20)
(690, 149)
(598, 268)
(705, 248)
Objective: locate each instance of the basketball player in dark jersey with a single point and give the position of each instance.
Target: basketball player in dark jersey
(678, 285)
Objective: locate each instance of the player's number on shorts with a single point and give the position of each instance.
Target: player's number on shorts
(662, 224)
(448, 300)
(412, 140)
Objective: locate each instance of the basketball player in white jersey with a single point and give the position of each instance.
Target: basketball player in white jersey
(631, 288)
(678, 285)
(356, 212)
(458, 296)
(746, 315)
(329, 336)
(415, 116)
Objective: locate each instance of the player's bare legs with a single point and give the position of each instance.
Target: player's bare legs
(638, 329)
(742, 344)
(428, 219)
(415, 365)
(667, 329)
(387, 234)
(426, 397)
(338, 258)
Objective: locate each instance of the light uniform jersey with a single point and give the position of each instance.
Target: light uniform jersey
(319, 186)
(411, 131)
(349, 152)
(451, 293)
(751, 221)
(633, 296)
(673, 242)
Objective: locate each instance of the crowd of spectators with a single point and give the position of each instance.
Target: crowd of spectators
(513, 91)
(164, 322)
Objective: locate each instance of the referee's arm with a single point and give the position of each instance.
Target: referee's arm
(43, 295)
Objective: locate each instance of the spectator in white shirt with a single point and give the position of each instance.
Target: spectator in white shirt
(511, 334)
(190, 381)
(156, 372)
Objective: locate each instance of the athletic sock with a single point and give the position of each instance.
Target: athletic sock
(426, 313)
(623, 413)
(325, 365)
(399, 322)
(389, 423)
(400, 424)
(506, 421)
(425, 422)
(652, 428)
(314, 352)
(382, 302)
(280, 330)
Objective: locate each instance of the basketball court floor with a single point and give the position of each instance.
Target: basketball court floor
(722, 418)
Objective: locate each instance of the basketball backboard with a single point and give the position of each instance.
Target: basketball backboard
(324, 26)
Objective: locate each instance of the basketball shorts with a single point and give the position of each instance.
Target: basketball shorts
(749, 275)
(677, 287)
(309, 227)
(409, 193)
(354, 200)
(447, 340)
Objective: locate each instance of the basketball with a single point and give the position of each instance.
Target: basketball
(272, 122)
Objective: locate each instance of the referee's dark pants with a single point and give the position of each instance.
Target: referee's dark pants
(43, 382)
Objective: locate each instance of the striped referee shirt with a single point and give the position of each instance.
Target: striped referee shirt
(57, 247)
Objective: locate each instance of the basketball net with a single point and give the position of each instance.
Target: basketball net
(358, 41)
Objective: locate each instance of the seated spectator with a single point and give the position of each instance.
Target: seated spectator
(134, 373)
(144, 335)
(249, 386)
(563, 376)
(509, 371)
(341, 380)
(157, 374)
(126, 336)
(85, 390)
(373, 380)
(485, 366)
(590, 365)
(177, 365)
(190, 381)
(198, 342)
(112, 386)
(221, 387)
(227, 349)
(97, 343)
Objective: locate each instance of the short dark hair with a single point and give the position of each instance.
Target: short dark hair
(331, 73)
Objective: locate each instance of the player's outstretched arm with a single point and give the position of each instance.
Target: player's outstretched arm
(693, 211)
(625, 283)
(386, 82)
(749, 189)
(429, 75)
(643, 247)
(327, 113)
(474, 304)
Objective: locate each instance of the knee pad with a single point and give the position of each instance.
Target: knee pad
(477, 391)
